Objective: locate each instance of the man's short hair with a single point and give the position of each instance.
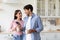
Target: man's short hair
(29, 6)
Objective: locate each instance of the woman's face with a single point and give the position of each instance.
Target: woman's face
(19, 15)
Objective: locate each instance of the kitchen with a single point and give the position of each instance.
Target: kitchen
(47, 9)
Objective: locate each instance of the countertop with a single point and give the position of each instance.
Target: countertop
(49, 31)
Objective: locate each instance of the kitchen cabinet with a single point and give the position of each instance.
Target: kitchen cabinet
(50, 35)
(4, 36)
(49, 12)
(48, 8)
(44, 36)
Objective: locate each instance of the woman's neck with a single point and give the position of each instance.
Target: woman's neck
(18, 19)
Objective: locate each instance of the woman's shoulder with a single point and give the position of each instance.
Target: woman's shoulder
(13, 21)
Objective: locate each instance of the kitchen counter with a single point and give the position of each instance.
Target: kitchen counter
(49, 31)
(45, 35)
(5, 36)
(5, 32)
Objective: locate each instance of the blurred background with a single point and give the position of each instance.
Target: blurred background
(48, 10)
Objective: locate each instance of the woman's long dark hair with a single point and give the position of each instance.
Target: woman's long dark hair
(16, 11)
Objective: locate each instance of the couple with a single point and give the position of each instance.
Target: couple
(29, 28)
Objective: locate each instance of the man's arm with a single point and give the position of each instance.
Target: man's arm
(40, 25)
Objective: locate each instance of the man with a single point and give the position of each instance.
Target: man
(32, 23)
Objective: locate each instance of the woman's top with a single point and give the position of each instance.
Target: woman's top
(15, 28)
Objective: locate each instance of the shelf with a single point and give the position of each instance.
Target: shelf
(50, 31)
(50, 16)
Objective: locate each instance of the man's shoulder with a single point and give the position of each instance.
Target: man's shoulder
(36, 16)
(24, 18)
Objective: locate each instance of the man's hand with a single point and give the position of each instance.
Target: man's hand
(31, 31)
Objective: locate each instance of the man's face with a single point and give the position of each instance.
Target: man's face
(27, 12)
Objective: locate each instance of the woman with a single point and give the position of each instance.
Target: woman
(17, 26)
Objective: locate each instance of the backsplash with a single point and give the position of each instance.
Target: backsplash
(51, 23)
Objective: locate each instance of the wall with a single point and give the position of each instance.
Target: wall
(7, 12)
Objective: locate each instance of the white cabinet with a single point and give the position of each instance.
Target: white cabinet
(58, 36)
(48, 7)
(5, 37)
(50, 36)
(43, 37)
(49, 11)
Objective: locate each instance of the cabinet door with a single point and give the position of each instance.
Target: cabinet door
(58, 36)
(50, 36)
(51, 8)
(5, 37)
(41, 7)
(43, 36)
